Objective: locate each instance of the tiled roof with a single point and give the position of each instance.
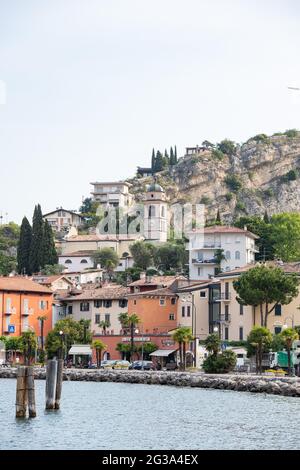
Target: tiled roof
(22, 284)
(225, 229)
(98, 238)
(164, 291)
(110, 292)
(156, 281)
(286, 267)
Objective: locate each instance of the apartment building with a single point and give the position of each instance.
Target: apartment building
(236, 247)
(61, 220)
(115, 194)
(22, 301)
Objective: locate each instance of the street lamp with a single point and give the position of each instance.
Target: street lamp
(216, 329)
(61, 333)
(194, 320)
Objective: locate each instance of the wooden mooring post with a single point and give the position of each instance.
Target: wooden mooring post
(59, 381)
(31, 392)
(21, 394)
(51, 381)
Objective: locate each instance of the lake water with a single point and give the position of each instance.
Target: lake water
(130, 416)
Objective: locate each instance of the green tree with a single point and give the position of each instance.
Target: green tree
(36, 259)
(182, 336)
(263, 230)
(175, 154)
(218, 218)
(227, 146)
(219, 256)
(13, 344)
(159, 161)
(286, 236)
(107, 258)
(50, 257)
(169, 256)
(24, 247)
(259, 340)
(74, 332)
(104, 324)
(153, 160)
(288, 336)
(207, 144)
(265, 288)
(28, 345)
(220, 363)
(143, 254)
(99, 346)
(213, 344)
(53, 269)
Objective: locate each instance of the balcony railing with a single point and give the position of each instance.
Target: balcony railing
(224, 318)
(223, 296)
(28, 311)
(204, 261)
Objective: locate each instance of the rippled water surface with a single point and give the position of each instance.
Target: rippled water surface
(128, 416)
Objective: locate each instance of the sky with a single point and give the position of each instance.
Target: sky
(88, 88)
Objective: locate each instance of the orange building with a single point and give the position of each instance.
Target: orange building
(22, 301)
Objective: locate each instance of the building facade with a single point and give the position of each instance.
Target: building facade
(115, 194)
(62, 220)
(155, 214)
(22, 301)
(236, 247)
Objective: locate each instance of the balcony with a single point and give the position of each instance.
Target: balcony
(224, 318)
(223, 296)
(204, 261)
(29, 311)
(207, 246)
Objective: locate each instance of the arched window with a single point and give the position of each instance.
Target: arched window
(151, 211)
(163, 211)
(68, 261)
(125, 254)
(227, 255)
(237, 255)
(83, 261)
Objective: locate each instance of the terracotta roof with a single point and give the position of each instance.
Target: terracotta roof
(286, 267)
(64, 210)
(225, 229)
(97, 238)
(163, 281)
(22, 284)
(163, 292)
(80, 253)
(46, 280)
(108, 292)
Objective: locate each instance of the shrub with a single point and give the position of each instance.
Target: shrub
(269, 192)
(233, 183)
(227, 146)
(229, 196)
(205, 200)
(240, 206)
(217, 154)
(291, 133)
(290, 176)
(260, 138)
(220, 364)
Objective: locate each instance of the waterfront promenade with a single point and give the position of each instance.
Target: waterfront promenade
(286, 386)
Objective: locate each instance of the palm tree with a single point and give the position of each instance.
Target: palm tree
(42, 320)
(104, 324)
(212, 344)
(99, 346)
(182, 336)
(289, 335)
(219, 257)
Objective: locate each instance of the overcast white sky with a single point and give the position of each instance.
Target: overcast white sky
(93, 85)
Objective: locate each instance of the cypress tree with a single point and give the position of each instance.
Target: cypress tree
(159, 161)
(218, 218)
(172, 157)
(24, 246)
(266, 217)
(36, 250)
(175, 155)
(49, 251)
(153, 160)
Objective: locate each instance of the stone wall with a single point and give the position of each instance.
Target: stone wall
(287, 386)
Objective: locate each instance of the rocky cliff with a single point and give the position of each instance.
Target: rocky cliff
(261, 175)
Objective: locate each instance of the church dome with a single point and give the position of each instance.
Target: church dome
(155, 188)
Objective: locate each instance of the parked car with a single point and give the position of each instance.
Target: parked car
(93, 366)
(121, 365)
(107, 364)
(142, 365)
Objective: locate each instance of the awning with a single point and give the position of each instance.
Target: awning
(163, 352)
(80, 350)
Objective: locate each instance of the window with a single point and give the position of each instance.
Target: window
(241, 309)
(107, 303)
(183, 311)
(188, 311)
(278, 310)
(237, 255)
(200, 271)
(203, 294)
(26, 305)
(228, 255)
(151, 211)
(226, 333)
(173, 301)
(84, 306)
(162, 302)
(43, 305)
(226, 312)
(68, 261)
(134, 302)
(162, 211)
(277, 330)
(123, 303)
(238, 240)
(70, 309)
(107, 318)
(97, 318)
(172, 316)
(241, 333)
(83, 261)
(97, 303)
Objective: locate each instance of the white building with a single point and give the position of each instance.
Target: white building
(114, 194)
(155, 214)
(236, 245)
(61, 220)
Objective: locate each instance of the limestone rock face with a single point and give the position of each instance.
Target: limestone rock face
(269, 173)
